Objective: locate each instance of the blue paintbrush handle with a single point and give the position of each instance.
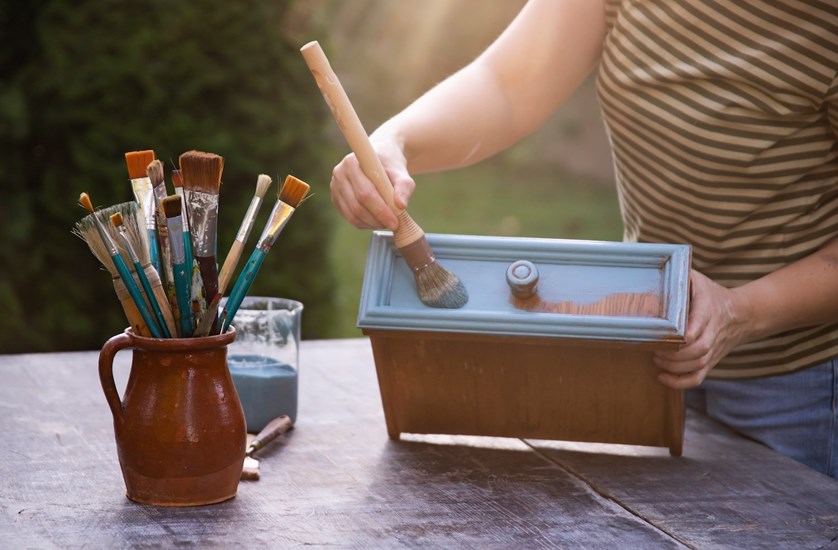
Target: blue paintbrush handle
(187, 250)
(134, 291)
(242, 286)
(183, 282)
(154, 250)
(158, 313)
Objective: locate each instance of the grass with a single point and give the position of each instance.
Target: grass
(491, 198)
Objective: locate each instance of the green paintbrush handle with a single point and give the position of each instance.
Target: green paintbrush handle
(158, 313)
(242, 286)
(183, 281)
(134, 291)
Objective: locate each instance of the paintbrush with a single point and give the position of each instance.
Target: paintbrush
(86, 229)
(263, 183)
(289, 197)
(198, 298)
(122, 232)
(138, 237)
(273, 429)
(201, 181)
(138, 162)
(122, 269)
(158, 184)
(182, 276)
(436, 286)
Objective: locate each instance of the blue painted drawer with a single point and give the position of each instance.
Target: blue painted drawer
(570, 360)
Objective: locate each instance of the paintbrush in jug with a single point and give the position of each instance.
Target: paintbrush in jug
(137, 162)
(290, 196)
(122, 267)
(263, 183)
(201, 181)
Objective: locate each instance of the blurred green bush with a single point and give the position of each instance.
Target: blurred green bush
(82, 82)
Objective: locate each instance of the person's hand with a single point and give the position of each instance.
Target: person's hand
(356, 197)
(717, 323)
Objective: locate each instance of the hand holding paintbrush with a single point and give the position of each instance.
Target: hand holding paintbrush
(291, 194)
(437, 287)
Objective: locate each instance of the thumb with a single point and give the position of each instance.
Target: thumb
(403, 187)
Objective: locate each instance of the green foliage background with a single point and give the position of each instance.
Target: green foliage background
(84, 81)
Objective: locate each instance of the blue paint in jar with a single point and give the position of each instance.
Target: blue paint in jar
(267, 388)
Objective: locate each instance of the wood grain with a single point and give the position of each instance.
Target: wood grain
(474, 385)
(336, 480)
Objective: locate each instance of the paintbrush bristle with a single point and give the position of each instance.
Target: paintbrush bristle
(86, 228)
(293, 192)
(171, 206)
(201, 171)
(440, 288)
(177, 179)
(84, 201)
(138, 162)
(116, 219)
(263, 183)
(155, 173)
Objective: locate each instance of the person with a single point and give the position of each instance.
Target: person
(723, 123)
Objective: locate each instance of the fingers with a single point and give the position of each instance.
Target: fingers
(357, 199)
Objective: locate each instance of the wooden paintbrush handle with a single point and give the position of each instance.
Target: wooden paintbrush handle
(355, 135)
(130, 308)
(271, 431)
(229, 265)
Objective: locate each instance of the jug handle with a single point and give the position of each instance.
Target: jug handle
(106, 357)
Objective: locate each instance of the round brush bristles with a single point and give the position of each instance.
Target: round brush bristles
(440, 288)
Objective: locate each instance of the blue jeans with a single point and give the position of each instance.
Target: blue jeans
(795, 414)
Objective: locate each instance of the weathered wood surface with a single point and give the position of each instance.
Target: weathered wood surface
(337, 480)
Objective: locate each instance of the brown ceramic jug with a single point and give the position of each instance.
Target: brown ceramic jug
(179, 428)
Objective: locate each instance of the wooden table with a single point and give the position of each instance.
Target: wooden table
(338, 481)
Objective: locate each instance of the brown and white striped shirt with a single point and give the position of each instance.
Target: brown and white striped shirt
(723, 117)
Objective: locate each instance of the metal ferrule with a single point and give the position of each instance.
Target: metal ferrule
(144, 194)
(183, 194)
(280, 215)
(202, 210)
(105, 236)
(249, 218)
(175, 226)
(126, 244)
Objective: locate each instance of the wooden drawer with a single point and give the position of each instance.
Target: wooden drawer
(573, 361)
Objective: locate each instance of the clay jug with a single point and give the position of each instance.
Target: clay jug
(179, 427)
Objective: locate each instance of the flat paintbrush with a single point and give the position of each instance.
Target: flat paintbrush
(122, 232)
(122, 268)
(292, 193)
(263, 183)
(158, 184)
(137, 162)
(198, 298)
(437, 287)
(174, 220)
(202, 179)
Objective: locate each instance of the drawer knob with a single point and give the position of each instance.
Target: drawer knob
(522, 278)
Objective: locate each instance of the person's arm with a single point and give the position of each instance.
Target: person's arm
(803, 293)
(502, 96)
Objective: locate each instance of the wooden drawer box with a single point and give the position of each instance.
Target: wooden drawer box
(572, 361)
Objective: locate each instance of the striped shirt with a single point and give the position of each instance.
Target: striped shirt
(723, 119)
